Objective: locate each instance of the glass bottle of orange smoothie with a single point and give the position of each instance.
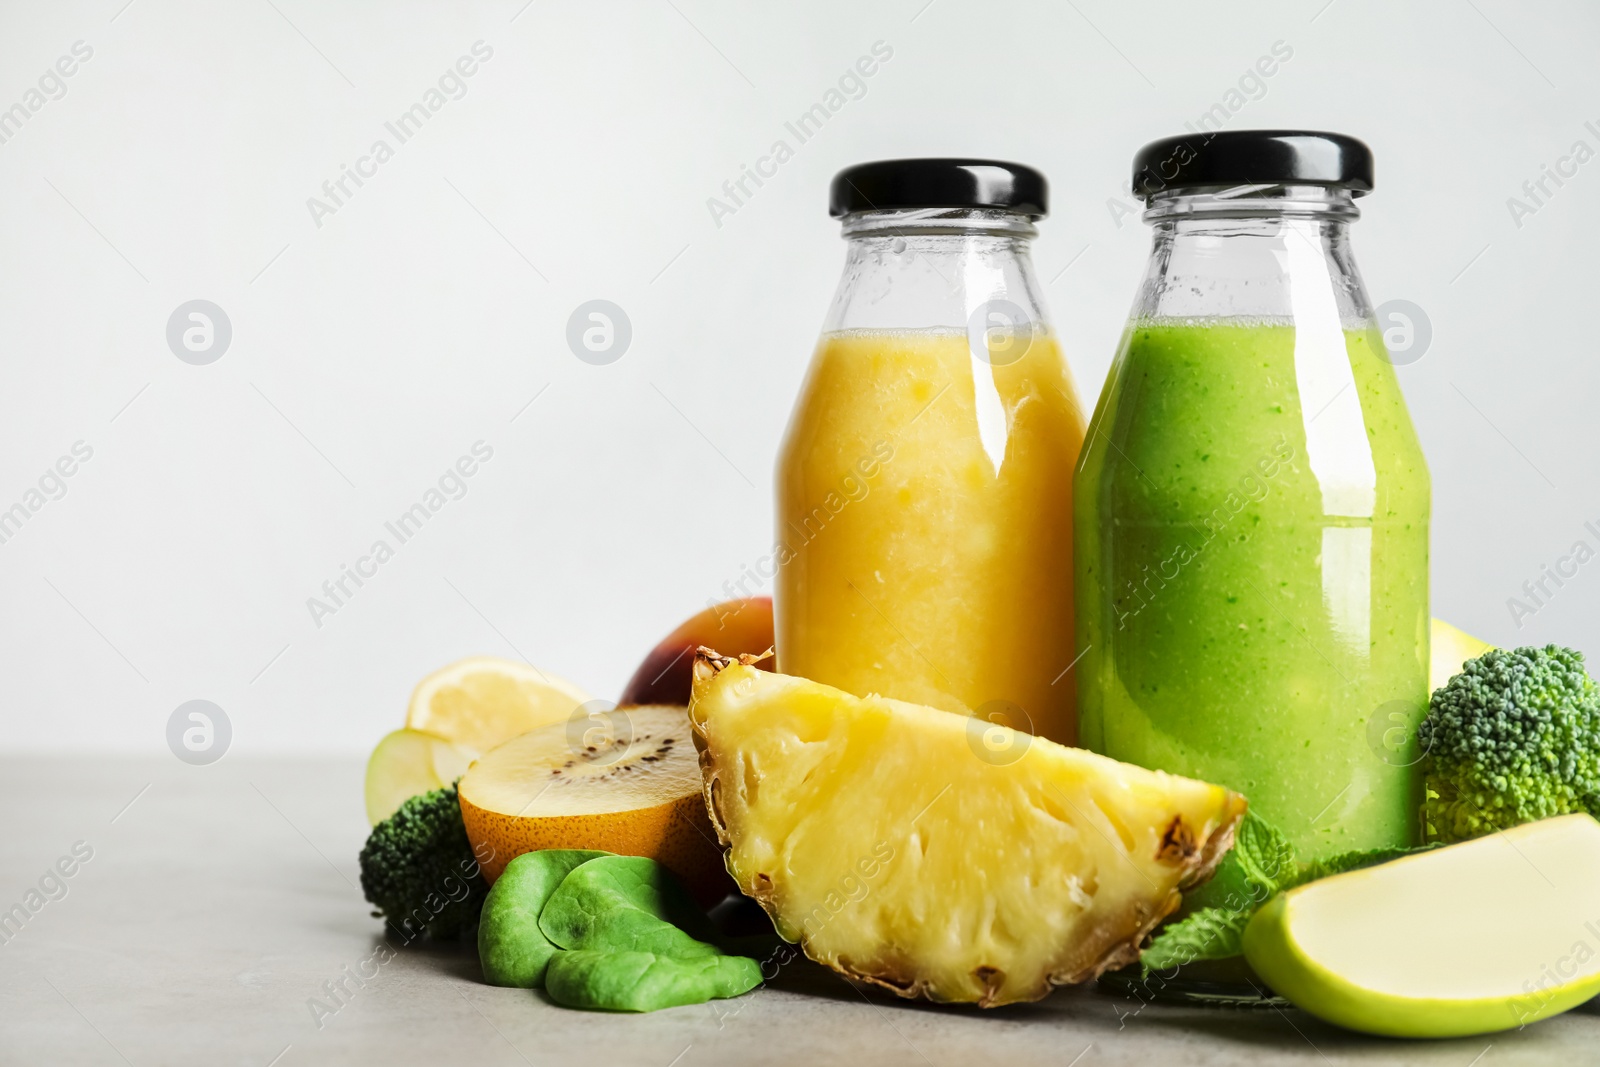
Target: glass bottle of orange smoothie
(925, 484)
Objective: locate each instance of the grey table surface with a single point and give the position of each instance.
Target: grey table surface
(219, 902)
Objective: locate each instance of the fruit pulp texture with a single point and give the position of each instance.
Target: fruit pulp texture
(1252, 538)
(924, 525)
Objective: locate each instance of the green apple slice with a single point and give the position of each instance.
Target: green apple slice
(1486, 935)
(408, 762)
(1449, 648)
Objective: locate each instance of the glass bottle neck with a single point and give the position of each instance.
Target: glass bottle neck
(938, 222)
(934, 269)
(1258, 253)
(1253, 202)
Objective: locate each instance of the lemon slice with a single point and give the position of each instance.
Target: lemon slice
(482, 701)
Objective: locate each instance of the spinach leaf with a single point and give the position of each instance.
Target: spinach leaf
(511, 947)
(624, 904)
(644, 981)
(604, 932)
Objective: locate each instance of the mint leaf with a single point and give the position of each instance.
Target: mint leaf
(1263, 854)
(1354, 861)
(1264, 859)
(1208, 934)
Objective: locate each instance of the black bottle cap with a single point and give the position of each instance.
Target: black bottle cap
(1253, 157)
(897, 184)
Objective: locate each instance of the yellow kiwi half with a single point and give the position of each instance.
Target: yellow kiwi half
(624, 781)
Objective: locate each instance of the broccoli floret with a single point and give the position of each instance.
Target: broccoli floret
(1513, 738)
(418, 869)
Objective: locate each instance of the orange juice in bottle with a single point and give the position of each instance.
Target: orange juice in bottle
(925, 484)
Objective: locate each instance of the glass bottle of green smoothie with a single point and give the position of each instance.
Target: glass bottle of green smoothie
(1251, 507)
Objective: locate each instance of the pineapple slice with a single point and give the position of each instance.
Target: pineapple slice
(937, 855)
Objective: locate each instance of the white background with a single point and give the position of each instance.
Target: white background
(368, 354)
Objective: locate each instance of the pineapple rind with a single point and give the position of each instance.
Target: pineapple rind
(878, 838)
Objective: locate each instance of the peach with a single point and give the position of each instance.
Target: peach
(732, 627)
